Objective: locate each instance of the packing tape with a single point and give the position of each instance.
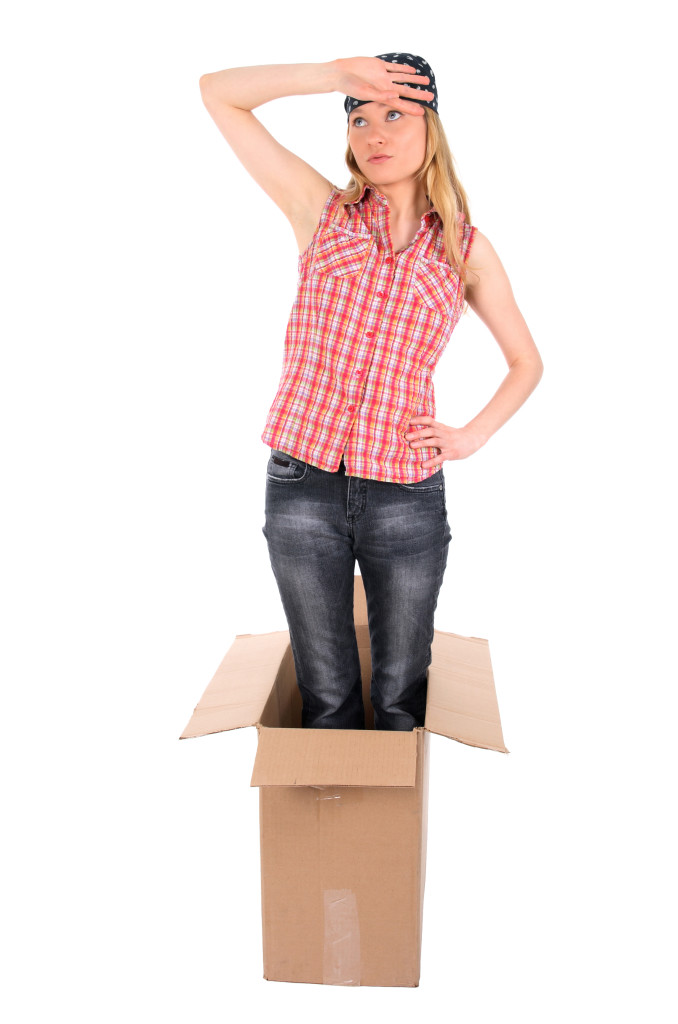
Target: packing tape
(341, 953)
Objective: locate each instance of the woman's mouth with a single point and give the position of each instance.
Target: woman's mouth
(380, 159)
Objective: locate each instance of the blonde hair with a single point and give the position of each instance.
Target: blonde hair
(441, 183)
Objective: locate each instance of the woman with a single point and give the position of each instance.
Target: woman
(355, 469)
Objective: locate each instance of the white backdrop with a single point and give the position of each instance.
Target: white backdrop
(147, 285)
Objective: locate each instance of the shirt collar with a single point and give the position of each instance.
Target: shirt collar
(381, 198)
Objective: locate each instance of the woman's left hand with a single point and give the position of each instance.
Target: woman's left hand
(453, 442)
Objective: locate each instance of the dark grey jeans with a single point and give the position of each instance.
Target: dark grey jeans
(317, 525)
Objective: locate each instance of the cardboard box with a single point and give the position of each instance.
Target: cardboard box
(343, 813)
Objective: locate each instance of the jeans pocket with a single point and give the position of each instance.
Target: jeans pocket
(430, 493)
(435, 482)
(283, 468)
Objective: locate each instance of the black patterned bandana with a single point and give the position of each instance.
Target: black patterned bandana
(350, 103)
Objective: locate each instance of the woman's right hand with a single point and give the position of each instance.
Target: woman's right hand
(375, 80)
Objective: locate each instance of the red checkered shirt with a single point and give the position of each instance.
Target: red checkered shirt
(364, 336)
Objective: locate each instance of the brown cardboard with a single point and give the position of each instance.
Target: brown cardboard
(343, 881)
(334, 757)
(343, 813)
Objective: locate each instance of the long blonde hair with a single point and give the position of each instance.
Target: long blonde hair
(441, 183)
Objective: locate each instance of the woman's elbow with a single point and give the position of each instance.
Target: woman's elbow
(530, 367)
(538, 368)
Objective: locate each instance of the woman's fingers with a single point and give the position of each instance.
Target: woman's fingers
(405, 72)
(427, 431)
(427, 421)
(429, 441)
(406, 90)
(438, 461)
(371, 79)
(403, 91)
(400, 74)
(410, 79)
(432, 442)
(404, 106)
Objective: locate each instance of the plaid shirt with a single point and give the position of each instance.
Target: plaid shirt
(364, 336)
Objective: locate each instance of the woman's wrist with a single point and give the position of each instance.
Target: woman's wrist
(332, 72)
(477, 436)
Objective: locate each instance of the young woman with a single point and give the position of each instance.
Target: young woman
(355, 471)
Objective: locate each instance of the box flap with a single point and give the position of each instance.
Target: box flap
(335, 757)
(240, 687)
(461, 701)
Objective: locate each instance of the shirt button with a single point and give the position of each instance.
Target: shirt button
(370, 334)
(351, 408)
(380, 295)
(359, 373)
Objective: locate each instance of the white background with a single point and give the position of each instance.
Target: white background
(147, 283)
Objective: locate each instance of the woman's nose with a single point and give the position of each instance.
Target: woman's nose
(376, 134)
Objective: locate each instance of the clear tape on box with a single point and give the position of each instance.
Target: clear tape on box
(341, 953)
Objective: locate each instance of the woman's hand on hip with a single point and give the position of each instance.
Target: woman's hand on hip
(453, 442)
(378, 81)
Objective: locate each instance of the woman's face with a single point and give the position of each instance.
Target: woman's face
(375, 129)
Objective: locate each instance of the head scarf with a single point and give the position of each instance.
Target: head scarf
(422, 68)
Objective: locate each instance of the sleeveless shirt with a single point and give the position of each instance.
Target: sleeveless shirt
(364, 336)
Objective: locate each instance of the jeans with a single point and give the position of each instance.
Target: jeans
(318, 524)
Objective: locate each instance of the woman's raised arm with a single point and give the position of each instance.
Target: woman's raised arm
(298, 189)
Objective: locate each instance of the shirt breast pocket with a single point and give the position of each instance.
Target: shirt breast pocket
(341, 255)
(436, 286)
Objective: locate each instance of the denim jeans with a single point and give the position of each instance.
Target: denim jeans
(318, 524)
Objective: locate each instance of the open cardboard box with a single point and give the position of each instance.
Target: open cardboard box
(343, 812)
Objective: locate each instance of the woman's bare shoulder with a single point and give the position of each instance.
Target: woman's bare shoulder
(482, 262)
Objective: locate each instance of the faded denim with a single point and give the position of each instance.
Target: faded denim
(318, 524)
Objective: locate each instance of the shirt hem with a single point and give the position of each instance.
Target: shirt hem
(382, 476)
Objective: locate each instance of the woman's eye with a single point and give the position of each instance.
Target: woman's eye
(358, 120)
